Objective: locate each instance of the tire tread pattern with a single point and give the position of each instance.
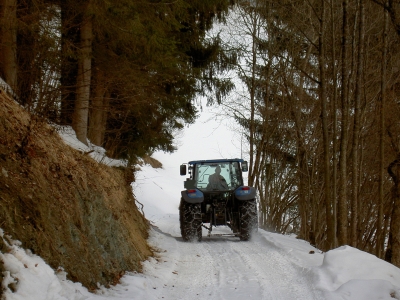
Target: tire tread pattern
(248, 219)
(190, 221)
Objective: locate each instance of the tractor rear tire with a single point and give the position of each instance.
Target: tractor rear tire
(248, 219)
(190, 220)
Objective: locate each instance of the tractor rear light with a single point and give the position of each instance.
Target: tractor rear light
(245, 188)
(191, 191)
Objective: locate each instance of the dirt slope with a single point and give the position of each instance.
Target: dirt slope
(73, 212)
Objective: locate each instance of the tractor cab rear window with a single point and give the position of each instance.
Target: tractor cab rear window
(218, 176)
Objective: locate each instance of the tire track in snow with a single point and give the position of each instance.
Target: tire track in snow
(236, 277)
(222, 268)
(194, 274)
(277, 276)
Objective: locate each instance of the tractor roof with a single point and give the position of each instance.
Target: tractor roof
(193, 162)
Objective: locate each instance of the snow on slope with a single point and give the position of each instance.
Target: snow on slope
(270, 266)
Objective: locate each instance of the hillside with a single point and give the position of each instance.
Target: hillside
(76, 214)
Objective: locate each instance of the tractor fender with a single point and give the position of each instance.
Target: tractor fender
(192, 196)
(244, 193)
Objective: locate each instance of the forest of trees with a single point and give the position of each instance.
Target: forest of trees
(320, 110)
(316, 95)
(123, 73)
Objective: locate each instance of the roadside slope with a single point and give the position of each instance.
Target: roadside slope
(63, 206)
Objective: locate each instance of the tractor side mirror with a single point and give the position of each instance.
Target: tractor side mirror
(245, 167)
(183, 170)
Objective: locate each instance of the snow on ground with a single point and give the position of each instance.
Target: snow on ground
(270, 266)
(95, 152)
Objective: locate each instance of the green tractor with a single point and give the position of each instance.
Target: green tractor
(215, 195)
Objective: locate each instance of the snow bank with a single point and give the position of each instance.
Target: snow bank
(27, 276)
(348, 273)
(97, 153)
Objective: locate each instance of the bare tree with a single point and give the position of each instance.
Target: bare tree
(356, 129)
(342, 202)
(326, 138)
(379, 231)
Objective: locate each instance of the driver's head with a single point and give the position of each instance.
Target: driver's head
(218, 169)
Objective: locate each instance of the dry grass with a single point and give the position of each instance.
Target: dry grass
(64, 206)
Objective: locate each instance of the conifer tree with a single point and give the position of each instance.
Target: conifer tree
(132, 83)
(155, 59)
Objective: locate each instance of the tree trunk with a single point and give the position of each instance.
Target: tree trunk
(334, 129)
(252, 98)
(325, 133)
(356, 131)
(69, 65)
(81, 111)
(394, 234)
(380, 222)
(98, 110)
(303, 198)
(342, 203)
(8, 60)
(27, 54)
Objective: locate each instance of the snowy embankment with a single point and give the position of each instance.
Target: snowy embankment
(270, 266)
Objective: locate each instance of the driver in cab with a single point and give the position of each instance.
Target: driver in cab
(216, 181)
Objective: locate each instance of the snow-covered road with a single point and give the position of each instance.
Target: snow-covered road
(222, 267)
